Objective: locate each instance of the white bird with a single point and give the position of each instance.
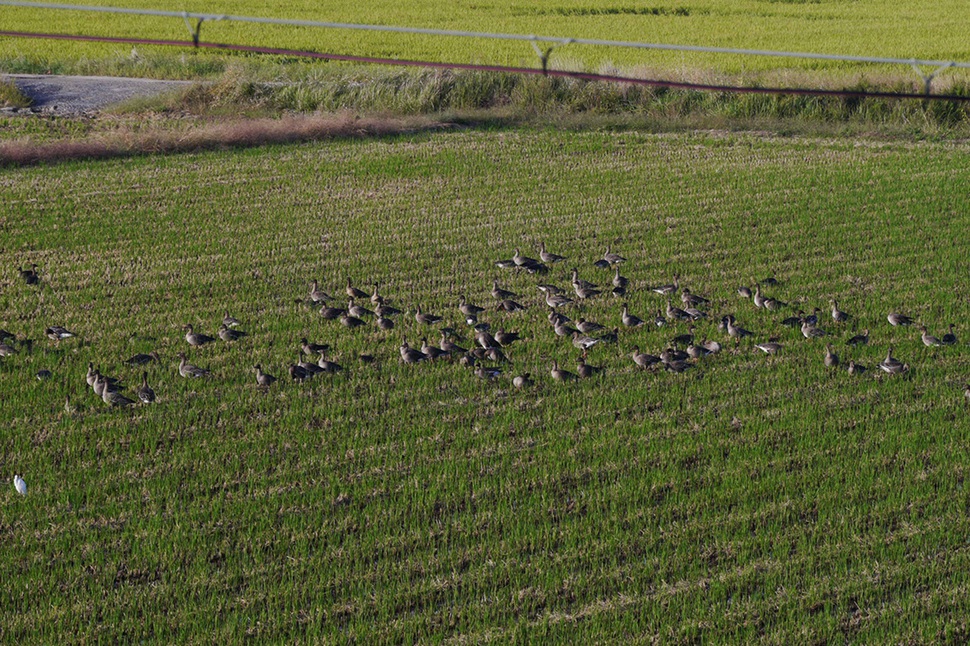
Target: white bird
(20, 485)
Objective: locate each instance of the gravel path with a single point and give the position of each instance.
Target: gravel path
(74, 95)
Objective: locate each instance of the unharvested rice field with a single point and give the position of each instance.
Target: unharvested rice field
(883, 28)
(751, 497)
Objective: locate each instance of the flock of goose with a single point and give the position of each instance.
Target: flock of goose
(487, 357)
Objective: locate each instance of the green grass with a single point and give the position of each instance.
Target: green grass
(880, 28)
(749, 499)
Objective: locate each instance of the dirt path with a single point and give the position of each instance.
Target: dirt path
(74, 95)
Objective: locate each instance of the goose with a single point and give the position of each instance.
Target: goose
(227, 334)
(548, 257)
(759, 300)
(317, 295)
(186, 369)
(487, 373)
(966, 392)
(613, 258)
(523, 261)
(770, 280)
(949, 338)
(141, 359)
(643, 359)
(813, 319)
(735, 331)
(298, 374)
(102, 384)
(891, 364)
(670, 355)
(425, 318)
(896, 319)
(385, 323)
(450, 347)
(712, 346)
(555, 300)
(44, 374)
(585, 293)
(410, 355)
(809, 331)
(773, 304)
(332, 313)
(557, 318)
(831, 359)
(312, 348)
(30, 276)
(353, 292)
(629, 320)
(485, 340)
(495, 354)
(601, 264)
(367, 358)
(582, 341)
(588, 327)
(579, 282)
(610, 337)
(358, 311)
(584, 370)
(794, 321)
(561, 375)
(145, 392)
(230, 321)
(194, 339)
(115, 398)
(618, 292)
(675, 313)
(547, 288)
(500, 294)
(561, 329)
(684, 339)
(659, 320)
(58, 332)
(535, 268)
(928, 340)
(310, 367)
(695, 314)
(7, 336)
(859, 339)
(351, 322)
(665, 290)
(678, 366)
(689, 299)
(506, 339)
(467, 308)
(619, 282)
(697, 351)
(769, 348)
(855, 368)
(386, 310)
(509, 306)
(7, 350)
(744, 291)
(838, 315)
(431, 351)
(505, 263)
(332, 367)
(262, 378)
(376, 298)
(522, 381)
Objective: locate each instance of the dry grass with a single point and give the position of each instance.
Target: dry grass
(11, 97)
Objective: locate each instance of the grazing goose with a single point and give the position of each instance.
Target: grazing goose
(57, 333)
(712, 346)
(431, 351)
(896, 319)
(450, 347)
(44, 375)
(230, 321)
(410, 355)
(678, 366)
(610, 337)
(262, 378)
(855, 368)
(949, 338)
(312, 348)
(353, 292)
(332, 367)
(351, 322)
(548, 257)
(744, 291)
(859, 339)
(546, 288)
(317, 295)
(928, 339)
(620, 282)
(535, 268)
(659, 320)
(684, 339)
(794, 321)
(194, 339)
(561, 375)
(310, 367)
(697, 351)
(186, 369)
(505, 263)
(522, 381)
(809, 331)
(831, 359)
(385, 323)
(601, 264)
(30, 276)
(487, 373)
(588, 327)
(332, 313)
(386, 310)
(425, 318)
(505, 339)
(584, 293)
(838, 315)
(561, 329)
(557, 318)
(613, 258)
(733, 330)
(555, 300)
(770, 280)
(618, 292)
(695, 314)
(485, 340)
(500, 294)
(769, 348)
(670, 355)
(692, 300)
(892, 365)
(773, 304)
(666, 290)
(298, 374)
(141, 359)
(467, 308)
(675, 313)
(583, 342)
(227, 334)
(523, 261)
(115, 398)
(358, 311)
(629, 320)
(509, 306)
(643, 359)
(584, 370)
(145, 392)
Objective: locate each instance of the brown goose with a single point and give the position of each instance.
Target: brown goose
(228, 335)
(230, 321)
(509, 306)
(506, 339)
(317, 295)
(579, 282)
(548, 257)
(351, 322)
(734, 330)
(332, 313)
(584, 370)
(145, 392)
(643, 359)
(855, 368)
(523, 261)
(357, 311)
(115, 398)
(675, 313)
(692, 300)
(298, 374)
(629, 320)
(353, 292)
(859, 339)
(311, 349)
(500, 294)
(188, 370)
(425, 318)
(522, 381)
(410, 355)
(744, 291)
(759, 300)
(561, 375)
(928, 339)
(555, 300)
(896, 319)
(612, 257)
(310, 367)
(262, 378)
(831, 359)
(7, 350)
(468, 309)
(431, 351)
(588, 327)
(141, 359)
(194, 339)
(809, 331)
(30, 276)
(665, 290)
(892, 365)
(376, 298)
(838, 315)
(385, 323)
(58, 333)
(769, 348)
(585, 293)
(620, 282)
(332, 367)
(450, 347)
(386, 310)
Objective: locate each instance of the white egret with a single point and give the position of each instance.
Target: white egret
(20, 485)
